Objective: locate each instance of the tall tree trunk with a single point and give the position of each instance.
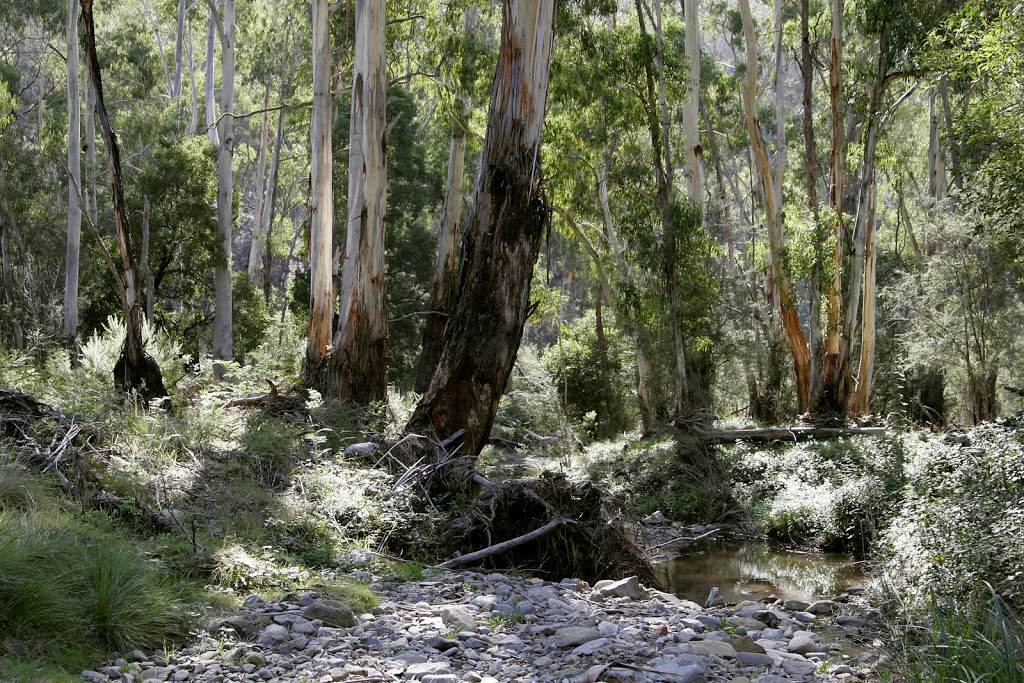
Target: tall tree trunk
(193, 119)
(861, 402)
(222, 324)
(692, 150)
(159, 46)
(74, 240)
(865, 212)
(359, 363)
(135, 370)
(252, 265)
(776, 240)
(811, 164)
(321, 224)
(445, 282)
(179, 48)
(264, 255)
(90, 148)
(954, 149)
(780, 109)
(211, 98)
(831, 402)
(147, 273)
(503, 234)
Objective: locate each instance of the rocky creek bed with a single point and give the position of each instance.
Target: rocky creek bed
(468, 627)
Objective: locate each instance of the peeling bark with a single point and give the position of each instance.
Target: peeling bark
(503, 233)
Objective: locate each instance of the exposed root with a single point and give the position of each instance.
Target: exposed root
(599, 543)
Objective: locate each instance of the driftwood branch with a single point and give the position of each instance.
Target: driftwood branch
(498, 548)
(685, 539)
(791, 434)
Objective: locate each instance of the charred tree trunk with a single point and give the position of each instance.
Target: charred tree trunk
(445, 282)
(135, 370)
(503, 233)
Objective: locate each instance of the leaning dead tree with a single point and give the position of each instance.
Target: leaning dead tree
(135, 371)
(501, 242)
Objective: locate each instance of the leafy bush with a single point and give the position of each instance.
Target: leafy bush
(961, 521)
(828, 494)
(575, 366)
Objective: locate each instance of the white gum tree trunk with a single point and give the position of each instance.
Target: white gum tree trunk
(359, 363)
(321, 223)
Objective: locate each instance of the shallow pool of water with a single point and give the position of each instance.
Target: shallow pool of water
(751, 571)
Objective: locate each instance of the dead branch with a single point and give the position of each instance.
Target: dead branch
(506, 545)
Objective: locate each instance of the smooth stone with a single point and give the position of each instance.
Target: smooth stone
(744, 644)
(331, 613)
(590, 648)
(705, 648)
(802, 645)
(157, 673)
(823, 607)
(623, 588)
(850, 621)
(572, 636)
(795, 605)
(710, 622)
(754, 659)
(273, 634)
(795, 667)
(804, 617)
(543, 662)
(655, 518)
(440, 678)
(421, 670)
(94, 676)
(679, 669)
(458, 618)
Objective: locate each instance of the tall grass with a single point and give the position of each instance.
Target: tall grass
(964, 644)
(68, 592)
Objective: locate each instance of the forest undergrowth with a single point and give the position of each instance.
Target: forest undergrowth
(259, 500)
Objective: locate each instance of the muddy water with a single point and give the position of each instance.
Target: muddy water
(752, 571)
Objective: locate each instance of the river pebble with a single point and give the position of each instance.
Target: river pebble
(467, 627)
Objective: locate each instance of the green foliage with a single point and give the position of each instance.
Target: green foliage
(833, 494)
(531, 403)
(69, 591)
(575, 367)
(963, 643)
(250, 317)
(959, 523)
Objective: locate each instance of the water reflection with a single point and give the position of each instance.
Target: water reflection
(754, 570)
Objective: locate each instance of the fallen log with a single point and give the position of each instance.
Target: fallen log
(506, 545)
(791, 434)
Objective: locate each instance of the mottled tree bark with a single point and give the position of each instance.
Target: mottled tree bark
(503, 234)
(74, 240)
(357, 369)
(776, 240)
(321, 222)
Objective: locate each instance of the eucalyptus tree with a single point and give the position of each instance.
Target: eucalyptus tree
(357, 367)
(74, 163)
(501, 243)
(222, 332)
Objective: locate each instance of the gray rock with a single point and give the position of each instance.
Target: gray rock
(795, 605)
(823, 607)
(420, 671)
(655, 518)
(705, 648)
(771, 678)
(180, 675)
(543, 662)
(802, 644)
(850, 621)
(94, 676)
(594, 646)
(804, 617)
(440, 678)
(751, 659)
(273, 634)
(624, 588)
(442, 644)
(136, 656)
(714, 598)
(410, 657)
(796, 667)
(679, 669)
(458, 618)
(331, 613)
(572, 636)
(710, 622)
(157, 673)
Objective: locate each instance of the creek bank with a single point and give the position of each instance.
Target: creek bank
(467, 627)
